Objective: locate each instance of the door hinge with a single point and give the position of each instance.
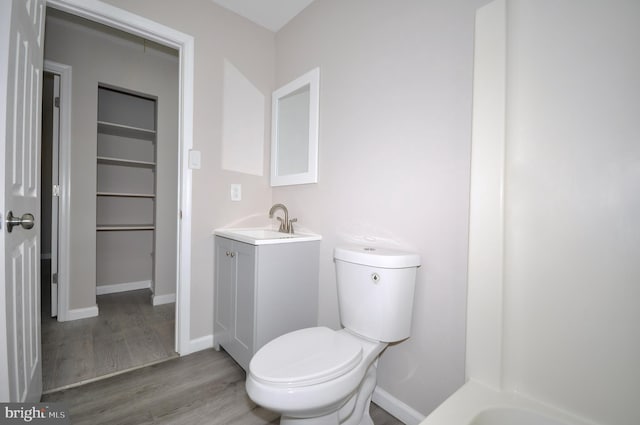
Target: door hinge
(54, 278)
(180, 215)
(56, 190)
(56, 102)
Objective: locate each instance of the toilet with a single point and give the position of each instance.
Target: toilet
(319, 376)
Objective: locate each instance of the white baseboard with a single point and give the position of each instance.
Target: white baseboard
(163, 299)
(82, 313)
(402, 411)
(199, 344)
(122, 287)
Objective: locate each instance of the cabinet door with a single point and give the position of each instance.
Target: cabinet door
(224, 288)
(244, 303)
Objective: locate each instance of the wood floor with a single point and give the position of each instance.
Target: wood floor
(128, 333)
(206, 387)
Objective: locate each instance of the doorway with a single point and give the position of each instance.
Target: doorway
(130, 331)
(110, 15)
(48, 199)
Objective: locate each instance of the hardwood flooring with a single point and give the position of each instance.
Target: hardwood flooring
(206, 387)
(128, 333)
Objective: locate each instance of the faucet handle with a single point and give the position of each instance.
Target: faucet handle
(293, 220)
(282, 228)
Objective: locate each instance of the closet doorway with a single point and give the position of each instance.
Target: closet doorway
(132, 321)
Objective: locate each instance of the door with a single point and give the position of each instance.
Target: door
(21, 54)
(243, 303)
(234, 299)
(223, 288)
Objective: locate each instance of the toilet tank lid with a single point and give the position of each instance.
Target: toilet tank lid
(377, 257)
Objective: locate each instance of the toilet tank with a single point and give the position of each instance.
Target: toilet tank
(375, 291)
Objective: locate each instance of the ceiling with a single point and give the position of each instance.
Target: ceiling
(271, 14)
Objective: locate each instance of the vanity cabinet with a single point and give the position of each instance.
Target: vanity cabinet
(262, 292)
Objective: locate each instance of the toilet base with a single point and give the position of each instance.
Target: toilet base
(354, 412)
(330, 419)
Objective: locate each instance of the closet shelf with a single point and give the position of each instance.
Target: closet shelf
(126, 195)
(122, 130)
(126, 162)
(124, 227)
(126, 178)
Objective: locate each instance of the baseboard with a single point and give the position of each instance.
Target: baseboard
(122, 287)
(402, 411)
(163, 299)
(200, 344)
(82, 313)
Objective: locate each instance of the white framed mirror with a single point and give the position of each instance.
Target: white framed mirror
(294, 131)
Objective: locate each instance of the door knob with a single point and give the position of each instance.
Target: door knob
(27, 221)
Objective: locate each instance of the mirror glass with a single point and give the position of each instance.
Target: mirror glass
(294, 141)
(293, 131)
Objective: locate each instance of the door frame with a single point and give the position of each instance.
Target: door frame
(64, 180)
(55, 197)
(129, 22)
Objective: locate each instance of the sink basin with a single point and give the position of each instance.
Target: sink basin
(261, 236)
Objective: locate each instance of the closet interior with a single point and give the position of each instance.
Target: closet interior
(126, 189)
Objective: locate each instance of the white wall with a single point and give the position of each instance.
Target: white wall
(219, 35)
(111, 58)
(573, 201)
(395, 120)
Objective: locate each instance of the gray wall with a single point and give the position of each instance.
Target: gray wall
(395, 122)
(100, 55)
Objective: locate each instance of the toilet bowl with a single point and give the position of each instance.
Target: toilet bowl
(320, 376)
(312, 372)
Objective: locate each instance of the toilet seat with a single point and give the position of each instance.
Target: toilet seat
(305, 357)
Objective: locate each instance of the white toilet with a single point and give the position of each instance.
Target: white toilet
(321, 376)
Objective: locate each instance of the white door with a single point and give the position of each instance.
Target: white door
(21, 54)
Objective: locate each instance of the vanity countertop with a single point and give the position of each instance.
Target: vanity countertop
(264, 236)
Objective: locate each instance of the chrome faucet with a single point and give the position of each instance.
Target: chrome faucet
(286, 225)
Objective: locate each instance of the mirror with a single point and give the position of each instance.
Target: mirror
(294, 131)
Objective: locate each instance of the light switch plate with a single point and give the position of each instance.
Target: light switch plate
(194, 160)
(236, 192)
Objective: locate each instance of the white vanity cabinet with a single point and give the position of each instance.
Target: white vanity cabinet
(261, 292)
